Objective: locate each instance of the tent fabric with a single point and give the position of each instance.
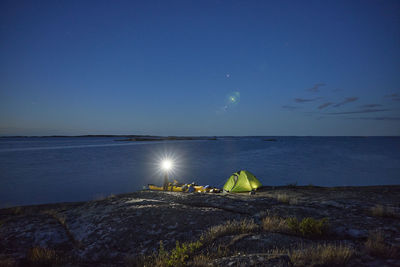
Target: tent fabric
(242, 181)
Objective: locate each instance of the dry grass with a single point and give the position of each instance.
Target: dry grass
(188, 252)
(325, 254)
(308, 227)
(283, 198)
(376, 246)
(275, 224)
(38, 256)
(382, 211)
(206, 257)
(228, 228)
(176, 257)
(201, 260)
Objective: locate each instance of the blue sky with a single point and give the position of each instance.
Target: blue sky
(200, 67)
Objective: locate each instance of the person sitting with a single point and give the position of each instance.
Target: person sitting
(165, 186)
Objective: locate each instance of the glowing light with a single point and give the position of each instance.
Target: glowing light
(166, 164)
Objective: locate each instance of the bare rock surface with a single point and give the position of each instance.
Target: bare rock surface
(106, 232)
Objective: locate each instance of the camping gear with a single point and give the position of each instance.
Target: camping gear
(242, 181)
(185, 188)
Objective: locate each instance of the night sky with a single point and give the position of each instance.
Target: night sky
(200, 67)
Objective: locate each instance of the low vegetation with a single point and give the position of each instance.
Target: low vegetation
(307, 227)
(275, 224)
(376, 246)
(187, 250)
(382, 211)
(283, 198)
(38, 256)
(229, 228)
(321, 255)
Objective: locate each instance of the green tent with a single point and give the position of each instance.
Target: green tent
(242, 181)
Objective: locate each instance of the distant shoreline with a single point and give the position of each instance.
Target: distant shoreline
(187, 137)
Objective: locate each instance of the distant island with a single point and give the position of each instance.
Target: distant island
(128, 137)
(168, 138)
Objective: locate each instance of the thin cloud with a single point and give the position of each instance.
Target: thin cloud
(357, 111)
(347, 100)
(290, 107)
(371, 106)
(303, 100)
(392, 95)
(327, 104)
(378, 118)
(316, 87)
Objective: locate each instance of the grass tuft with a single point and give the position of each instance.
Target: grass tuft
(38, 256)
(176, 257)
(228, 228)
(321, 255)
(376, 246)
(382, 211)
(275, 224)
(201, 260)
(308, 227)
(187, 251)
(283, 198)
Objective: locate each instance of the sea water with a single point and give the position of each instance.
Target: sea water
(43, 170)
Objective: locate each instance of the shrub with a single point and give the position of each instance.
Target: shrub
(181, 253)
(325, 254)
(312, 227)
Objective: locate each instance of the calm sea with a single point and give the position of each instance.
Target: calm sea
(43, 170)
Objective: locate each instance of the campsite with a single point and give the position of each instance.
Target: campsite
(359, 226)
(232, 133)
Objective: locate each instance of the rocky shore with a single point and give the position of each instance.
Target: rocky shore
(277, 226)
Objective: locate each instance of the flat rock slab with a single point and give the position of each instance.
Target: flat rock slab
(107, 231)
